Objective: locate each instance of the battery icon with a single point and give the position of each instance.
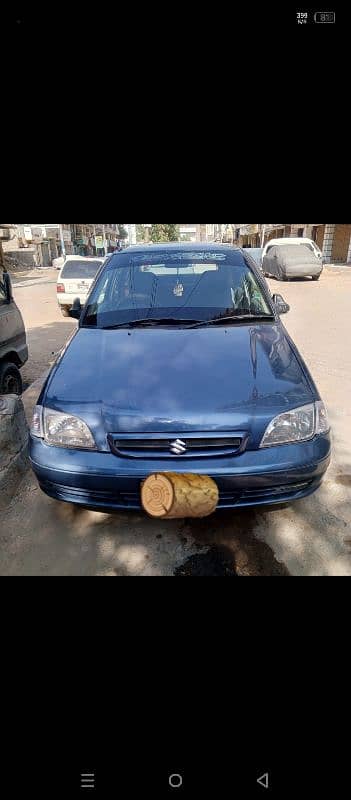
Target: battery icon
(324, 16)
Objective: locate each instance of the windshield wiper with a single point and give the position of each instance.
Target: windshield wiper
(233, 319)
(151, 323)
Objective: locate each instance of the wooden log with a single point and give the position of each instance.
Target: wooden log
(169, 495)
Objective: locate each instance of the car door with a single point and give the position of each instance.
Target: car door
(270, 261)
(11, 325)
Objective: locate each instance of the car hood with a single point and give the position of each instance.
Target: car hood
(177, 380)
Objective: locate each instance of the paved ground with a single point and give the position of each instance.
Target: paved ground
(47, 329)
(311, 537)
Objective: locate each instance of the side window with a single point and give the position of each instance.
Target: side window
(2, 294)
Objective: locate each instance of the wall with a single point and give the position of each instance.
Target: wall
(26, 256)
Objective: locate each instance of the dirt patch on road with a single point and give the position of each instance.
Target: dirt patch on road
(216, 563)
(233, 550)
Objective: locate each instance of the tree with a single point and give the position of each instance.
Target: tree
(158, 233)
(164, 233)
(141, 233)
(172, 232)
(122, 232)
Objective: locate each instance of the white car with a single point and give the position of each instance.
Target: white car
(75, 281)
(293, 241)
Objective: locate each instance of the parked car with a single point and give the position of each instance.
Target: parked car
(284, 263)
(292, 242)
(257, 254)
(58, 262)
(13, 342)
(180, 363)
(75, 280)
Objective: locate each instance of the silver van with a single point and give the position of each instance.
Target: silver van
(13, 342)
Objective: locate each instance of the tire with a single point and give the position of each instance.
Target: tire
(316, 277)
(10, 379)
(65, 311)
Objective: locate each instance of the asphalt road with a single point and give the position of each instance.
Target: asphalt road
(312, 537)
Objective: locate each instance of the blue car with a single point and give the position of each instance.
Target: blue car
(180, 363)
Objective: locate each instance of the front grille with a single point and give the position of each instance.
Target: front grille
(194, 446)
(131, 500)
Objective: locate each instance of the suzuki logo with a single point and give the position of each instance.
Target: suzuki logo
(178, 448)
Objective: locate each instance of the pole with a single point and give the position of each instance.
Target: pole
(104, 235)
(263, 233)
(63, 246)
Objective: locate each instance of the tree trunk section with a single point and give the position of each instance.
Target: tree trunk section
(169, 495)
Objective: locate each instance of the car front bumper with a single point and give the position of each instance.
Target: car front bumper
(103, 481)
(303, 270)
(65, 299)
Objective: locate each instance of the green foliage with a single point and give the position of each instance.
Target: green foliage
(141, 233)
(164, 233)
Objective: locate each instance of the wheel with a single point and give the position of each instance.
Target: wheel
(65, 311)
(316, 277)
(10, 379)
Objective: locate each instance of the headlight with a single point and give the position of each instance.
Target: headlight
(61, 430)
(297, 425)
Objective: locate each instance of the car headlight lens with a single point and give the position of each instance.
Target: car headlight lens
(61, 430)
(297, 425)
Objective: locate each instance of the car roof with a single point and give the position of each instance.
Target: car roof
(291, 240)
(84, 258)
(185, 246)
(288, 248)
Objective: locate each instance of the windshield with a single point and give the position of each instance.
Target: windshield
(80, 269)
(178, 285)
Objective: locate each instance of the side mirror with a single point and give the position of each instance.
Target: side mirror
(76, 310)
(8, 287)
(281, 306)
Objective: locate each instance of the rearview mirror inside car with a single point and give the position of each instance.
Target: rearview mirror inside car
(281, 306)
(76, 310)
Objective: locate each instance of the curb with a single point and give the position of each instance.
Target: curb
(14, 435)
(15, 420)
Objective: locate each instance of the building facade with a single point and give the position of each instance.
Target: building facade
(193, 233)
(39, 244)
